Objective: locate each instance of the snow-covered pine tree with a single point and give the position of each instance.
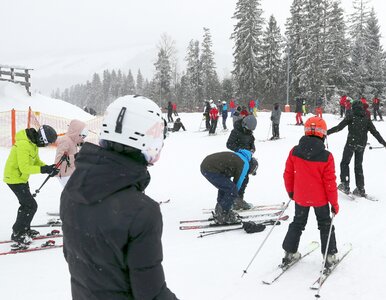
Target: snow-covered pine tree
(357, 31)
(95, 95)
(337, 51)
(295, 28)
(130, 83)
(193, 83)
(210, 82)
(271, 62)
(247, 36)
(227, 89)
(375, 58)
(162, 77)
(140, 83)
(106, 87)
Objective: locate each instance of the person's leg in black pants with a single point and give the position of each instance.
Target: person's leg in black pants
(358, 169)
(324, 223)
(344, 164)
(27, 209)
(295, 229)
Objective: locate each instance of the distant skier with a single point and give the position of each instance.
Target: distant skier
(299, 110)
(310, 181)
(207, 109)
(376, 111)
(178, 125)
(319, 107)
(275, 118)
(224, 114)
(227, 171)
(69, 143)
(232, 106)
(170, 112)
(342, 104)
(22, 162)
(174, 106)
(358, 127)
(241, 137)
(213, 114)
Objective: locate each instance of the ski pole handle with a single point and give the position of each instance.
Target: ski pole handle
(376, 147)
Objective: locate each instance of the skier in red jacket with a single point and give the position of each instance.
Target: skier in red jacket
(310, 181)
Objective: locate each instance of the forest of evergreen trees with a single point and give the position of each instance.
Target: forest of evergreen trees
(321, 52)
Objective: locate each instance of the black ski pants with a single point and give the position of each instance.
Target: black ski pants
(275, 130)
(376, 112)
(348, 152)
(213, 126)
(27, 209)
(227, 189)
(295, 229)
(170, 117)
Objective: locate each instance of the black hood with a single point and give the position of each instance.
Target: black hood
(311, 148)
(100, 173)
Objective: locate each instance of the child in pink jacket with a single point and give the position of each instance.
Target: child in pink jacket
(69, 143)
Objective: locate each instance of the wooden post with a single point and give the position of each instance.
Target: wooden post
(29, 117)
(13, 125)
(27, 82)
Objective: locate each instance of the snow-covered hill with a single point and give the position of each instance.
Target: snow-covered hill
(211, 267)
(14, 96)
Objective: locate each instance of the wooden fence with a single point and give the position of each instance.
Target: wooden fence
(10, 72)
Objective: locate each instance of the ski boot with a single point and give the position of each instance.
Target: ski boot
(289, 258)
(360, 192)
(240, 204)
(222, 217)
(22, 241)
(344, 187)
(32, 233)
(331, 260)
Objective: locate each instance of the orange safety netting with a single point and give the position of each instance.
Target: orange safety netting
(12, 121)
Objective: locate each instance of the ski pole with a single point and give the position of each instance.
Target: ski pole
(325, 254)
(376, 147)
(57, 165)
(265, 239)
(269, 129)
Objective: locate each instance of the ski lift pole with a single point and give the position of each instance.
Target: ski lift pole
(57, 165)
(266, 238)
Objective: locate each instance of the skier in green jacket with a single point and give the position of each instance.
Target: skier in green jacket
(23, 161)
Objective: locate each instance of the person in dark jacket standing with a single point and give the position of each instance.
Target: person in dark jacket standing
(23, 161)
(170, 112)
(111, 229)
(310, 181)
(241, 137)
(275, 118)
(207, 109)
(218, 169)
(358, 127)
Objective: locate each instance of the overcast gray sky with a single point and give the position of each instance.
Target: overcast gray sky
(42, 29)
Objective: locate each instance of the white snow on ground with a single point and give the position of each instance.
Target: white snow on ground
(211, 267)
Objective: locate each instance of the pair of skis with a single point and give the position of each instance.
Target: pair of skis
(283, 268)
(48, 244)
(353, 197)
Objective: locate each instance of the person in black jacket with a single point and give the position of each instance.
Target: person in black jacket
(111, 229)
(178, 125)
(170, 112)
(241, 137)
(218, 169)
(358, 127)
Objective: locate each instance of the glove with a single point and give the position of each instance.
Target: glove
(51, 170)
(252, 227)
(335, 209)
(291, 195)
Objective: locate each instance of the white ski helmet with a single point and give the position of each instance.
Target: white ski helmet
(135, 121)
